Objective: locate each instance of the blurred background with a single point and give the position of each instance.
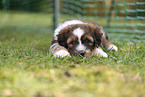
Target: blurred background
(122, 19)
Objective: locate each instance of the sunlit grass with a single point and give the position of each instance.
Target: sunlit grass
(28, 70)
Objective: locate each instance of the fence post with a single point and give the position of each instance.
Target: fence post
(55, 14)
(109, 14)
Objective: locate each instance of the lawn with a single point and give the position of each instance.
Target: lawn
(28, 70)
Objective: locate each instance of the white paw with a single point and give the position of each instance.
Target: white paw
(99, 52)
(61, 53)
(112, 47)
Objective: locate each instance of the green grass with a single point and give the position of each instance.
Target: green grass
(28, 70)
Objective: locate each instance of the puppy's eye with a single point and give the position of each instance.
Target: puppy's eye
(73, 42)
(87, 41)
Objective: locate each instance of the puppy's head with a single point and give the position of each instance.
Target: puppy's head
(80, 39)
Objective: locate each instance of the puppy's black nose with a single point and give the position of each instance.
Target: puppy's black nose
(82, 53)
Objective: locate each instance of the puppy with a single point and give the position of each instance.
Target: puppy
(79, 38)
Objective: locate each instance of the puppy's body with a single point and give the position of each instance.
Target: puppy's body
(80, 38)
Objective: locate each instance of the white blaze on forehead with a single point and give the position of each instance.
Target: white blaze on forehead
(79, 33)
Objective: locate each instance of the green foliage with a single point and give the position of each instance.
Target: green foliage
(27, 5)
(28, 70)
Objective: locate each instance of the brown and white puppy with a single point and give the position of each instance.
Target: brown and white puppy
(80, 38)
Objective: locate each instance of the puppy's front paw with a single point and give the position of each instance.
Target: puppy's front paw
(112, 47)
(99, 52)
(61, 53)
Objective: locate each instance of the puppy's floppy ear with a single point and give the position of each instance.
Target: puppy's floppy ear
(98, 37)
(62, 37)
(96, 30)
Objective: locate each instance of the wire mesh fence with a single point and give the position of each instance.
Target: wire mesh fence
(123, 19)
